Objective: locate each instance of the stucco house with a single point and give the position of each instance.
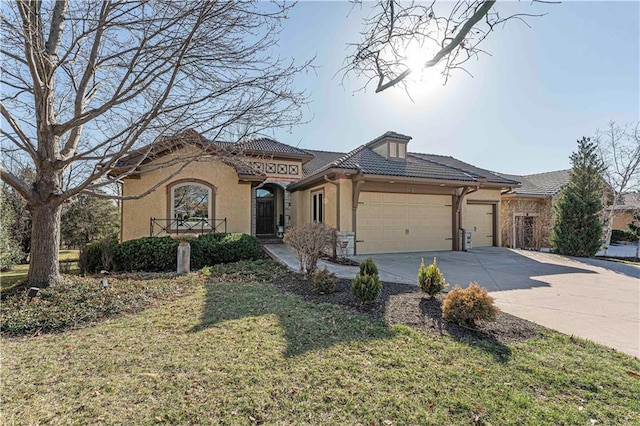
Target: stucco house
(527, 211)
(380, 197)
(629, 204)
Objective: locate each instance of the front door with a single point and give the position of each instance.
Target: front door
(265, 216)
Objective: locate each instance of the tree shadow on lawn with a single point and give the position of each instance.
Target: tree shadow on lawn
(307, 326)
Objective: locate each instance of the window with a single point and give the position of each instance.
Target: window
(191, 204)
(393, 149)
(264, 193)
(317, 206)
(402, 150)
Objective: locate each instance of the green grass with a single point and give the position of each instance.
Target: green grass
(14, 276)
(18, 273)
(245, 353)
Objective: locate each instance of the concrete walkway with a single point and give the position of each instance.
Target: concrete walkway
(594, 299)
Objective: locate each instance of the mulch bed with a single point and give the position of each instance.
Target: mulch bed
(405, 304)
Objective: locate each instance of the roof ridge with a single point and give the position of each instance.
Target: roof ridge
(322, 150)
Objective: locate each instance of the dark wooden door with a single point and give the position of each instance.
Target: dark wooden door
(265, 217)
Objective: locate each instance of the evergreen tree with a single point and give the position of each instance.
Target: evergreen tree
(578, 226)
(88, 219)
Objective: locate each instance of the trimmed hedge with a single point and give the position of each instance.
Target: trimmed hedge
(159, 254)
(148, 254)
(212, 249)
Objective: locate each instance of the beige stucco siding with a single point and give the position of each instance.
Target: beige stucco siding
(232, 199)
(622, 219)
(302, 202)
(346, 204)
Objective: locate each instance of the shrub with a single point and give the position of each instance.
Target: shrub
(212, 249)
(149, 254)
(430, 279)
(97, 256)
(309, 240)
(324, 281)
(368, 267)
(466, 306)
(80, 300)
(366, 288)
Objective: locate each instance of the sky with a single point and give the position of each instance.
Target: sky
(522, 111)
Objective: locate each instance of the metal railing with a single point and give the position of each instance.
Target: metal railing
(196, 225)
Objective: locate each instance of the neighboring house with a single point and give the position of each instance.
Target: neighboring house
(380, 197)
(527, 211)
(629, 203)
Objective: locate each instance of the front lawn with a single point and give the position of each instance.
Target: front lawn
(17, 274)
(241, 352)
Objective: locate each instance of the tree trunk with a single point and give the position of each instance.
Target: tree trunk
(45, 245)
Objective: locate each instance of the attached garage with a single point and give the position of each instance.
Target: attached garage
(392, 223)
(480, 220)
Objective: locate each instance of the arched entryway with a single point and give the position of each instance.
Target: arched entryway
(266, 210)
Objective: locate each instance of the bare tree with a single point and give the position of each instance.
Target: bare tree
(396, 30)
(85, 83)
(619, 148)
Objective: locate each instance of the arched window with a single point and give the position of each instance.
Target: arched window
(264, 193)
(191, 203)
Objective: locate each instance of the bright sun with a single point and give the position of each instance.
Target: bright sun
(423, 84)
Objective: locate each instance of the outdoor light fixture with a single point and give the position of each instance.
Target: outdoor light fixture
(33, 292)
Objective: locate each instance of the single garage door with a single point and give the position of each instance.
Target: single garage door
(394, 223)
(480, 222)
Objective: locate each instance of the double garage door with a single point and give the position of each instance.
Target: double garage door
(392, 223)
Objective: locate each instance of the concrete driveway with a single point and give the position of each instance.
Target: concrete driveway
(594, 299)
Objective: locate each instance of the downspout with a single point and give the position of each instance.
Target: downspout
(458, 206)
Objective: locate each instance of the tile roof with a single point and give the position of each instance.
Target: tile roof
(416, 165)
(320, 159)
(365, 159)
(271, 146)
(541, 184)
(474, 171)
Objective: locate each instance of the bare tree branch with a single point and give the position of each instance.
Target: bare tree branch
(397, 30)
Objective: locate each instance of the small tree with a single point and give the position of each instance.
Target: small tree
(578, 227)
(430, 279)
(366, 286)
(309, 241)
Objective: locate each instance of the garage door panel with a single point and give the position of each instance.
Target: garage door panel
(383, 220)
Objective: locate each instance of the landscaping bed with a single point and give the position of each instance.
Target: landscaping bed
(405, 304)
